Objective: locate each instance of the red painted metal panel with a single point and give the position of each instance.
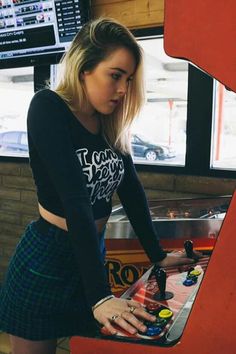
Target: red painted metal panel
(204, 33)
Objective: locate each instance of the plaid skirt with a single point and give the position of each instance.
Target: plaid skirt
(42, 296)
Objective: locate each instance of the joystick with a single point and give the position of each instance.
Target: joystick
(188, 245)
(162, 294)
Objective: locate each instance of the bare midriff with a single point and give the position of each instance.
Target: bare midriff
(61, 222)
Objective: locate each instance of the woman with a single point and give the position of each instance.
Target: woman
(80, 154)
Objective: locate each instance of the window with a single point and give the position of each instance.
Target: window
(187, 124)
(159, 132)
(204, 133)
(16, 91)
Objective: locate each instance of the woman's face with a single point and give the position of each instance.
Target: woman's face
(107, 83)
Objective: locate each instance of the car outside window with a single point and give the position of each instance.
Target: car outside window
(24, 140)
(11, 138)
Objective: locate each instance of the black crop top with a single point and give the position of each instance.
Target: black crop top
(102, 167)
(76, 173)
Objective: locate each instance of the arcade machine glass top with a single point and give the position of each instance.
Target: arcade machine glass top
(175, 220)
(183, 208)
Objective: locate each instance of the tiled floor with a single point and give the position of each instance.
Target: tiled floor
(62, 345)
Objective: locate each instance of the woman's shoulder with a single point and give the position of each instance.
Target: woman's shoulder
(48, 107)
(49, 95)
(48, 100)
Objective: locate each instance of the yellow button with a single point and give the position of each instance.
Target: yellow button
(165, 313)
(195, 272)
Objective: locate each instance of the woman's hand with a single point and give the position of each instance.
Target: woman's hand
(127, 314)
(178, 258)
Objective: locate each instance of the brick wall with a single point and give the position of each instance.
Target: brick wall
(18, 203)
(186, 186)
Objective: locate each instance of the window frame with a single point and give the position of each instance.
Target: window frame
(199, 121)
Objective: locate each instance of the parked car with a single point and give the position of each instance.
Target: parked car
(151, 152)
(15, 141)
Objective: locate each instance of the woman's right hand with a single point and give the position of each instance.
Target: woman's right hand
(127, 314)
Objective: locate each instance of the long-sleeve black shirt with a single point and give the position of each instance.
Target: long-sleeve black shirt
(76, 173)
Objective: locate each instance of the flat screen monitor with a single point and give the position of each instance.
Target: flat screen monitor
(38, 32)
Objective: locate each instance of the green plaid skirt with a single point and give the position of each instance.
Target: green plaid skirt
(42, 297)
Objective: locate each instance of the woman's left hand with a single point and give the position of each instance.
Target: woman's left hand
(178, 258)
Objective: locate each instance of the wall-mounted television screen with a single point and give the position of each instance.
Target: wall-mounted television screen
(38, 32)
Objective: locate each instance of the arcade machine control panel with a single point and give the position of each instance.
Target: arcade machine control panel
(168, 294)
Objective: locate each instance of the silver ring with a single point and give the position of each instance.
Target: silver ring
(131, 309)
(114, 317)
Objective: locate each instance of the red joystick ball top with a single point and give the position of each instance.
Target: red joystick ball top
(152, 306)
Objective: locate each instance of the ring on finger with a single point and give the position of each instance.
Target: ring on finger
(114, 317)
(131, 309)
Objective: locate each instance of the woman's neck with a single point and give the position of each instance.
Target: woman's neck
(90, 121)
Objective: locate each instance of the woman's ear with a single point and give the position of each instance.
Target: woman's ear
(82, 75)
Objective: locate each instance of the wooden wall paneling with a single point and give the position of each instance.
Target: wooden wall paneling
(132, 13)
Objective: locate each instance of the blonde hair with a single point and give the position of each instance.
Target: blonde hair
(93, 43)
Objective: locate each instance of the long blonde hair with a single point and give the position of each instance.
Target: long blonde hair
(93, 43)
